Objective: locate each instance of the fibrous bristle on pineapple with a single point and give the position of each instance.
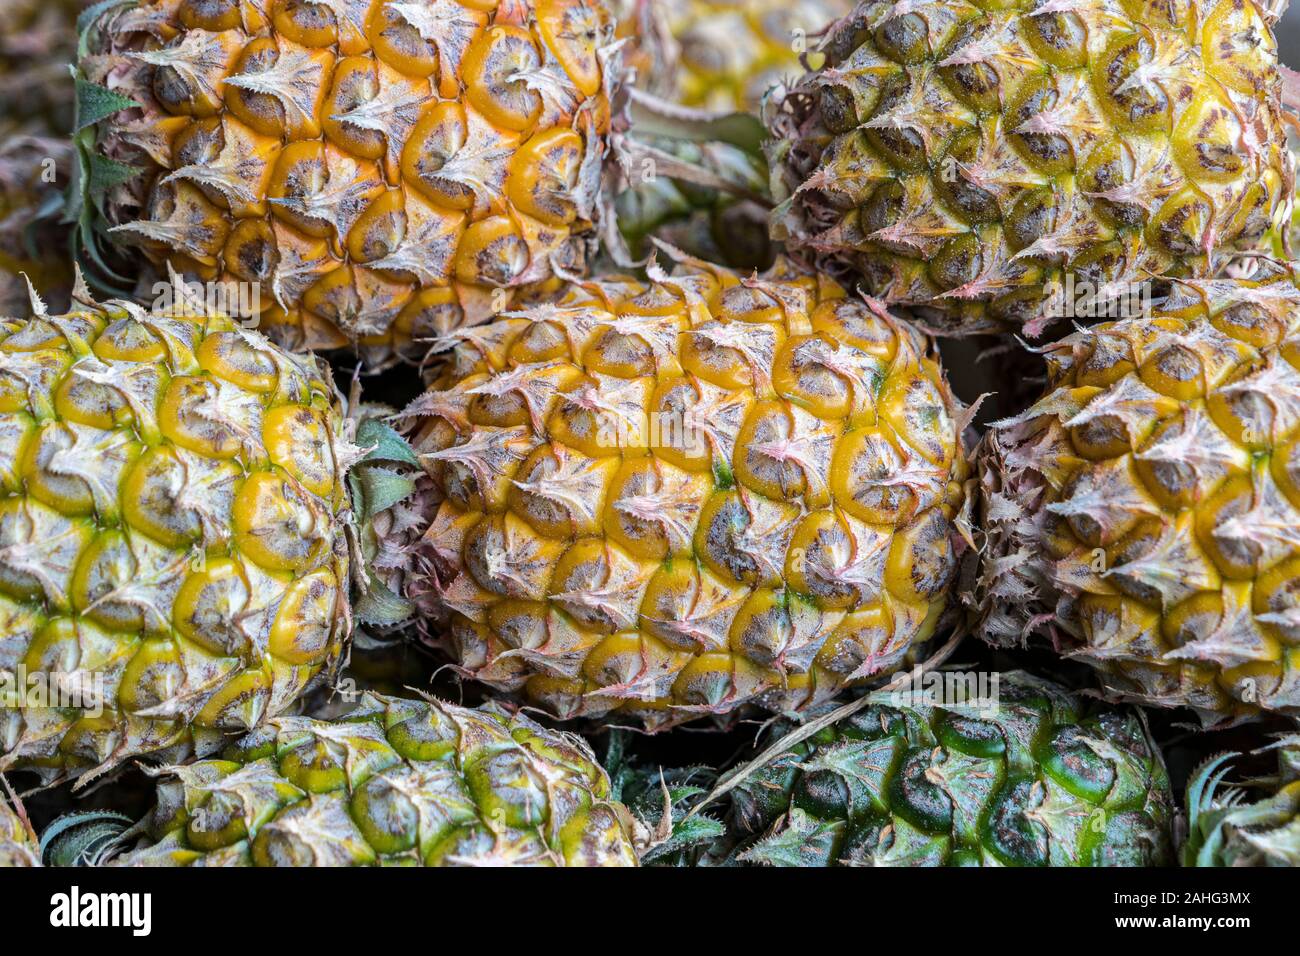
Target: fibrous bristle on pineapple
(381, 171)
(173, 564)
(964, 157)
(1144, 511)
(669, 499)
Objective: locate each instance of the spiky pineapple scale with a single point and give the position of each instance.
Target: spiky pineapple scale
(671, 499)
(379, 169)
(964, 156)
(173, 563)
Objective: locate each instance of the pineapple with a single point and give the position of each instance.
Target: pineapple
(1144, 511)
(173, 556)
(1023, 774)
(1227, 830)
(398, 782)
(667, 499)
(18, 844)
(380, 171)
(965, 157)
(723, 55)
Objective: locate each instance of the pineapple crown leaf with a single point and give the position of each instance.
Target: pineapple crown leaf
(96, 103)
(791, 845)
(385, 443)
(83, 838)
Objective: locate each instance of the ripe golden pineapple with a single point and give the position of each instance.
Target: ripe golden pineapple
(963, 157)
(377, 168)
(670, 499)
(397, 782)
(1146, 510)
(723, 55)
(173, 564)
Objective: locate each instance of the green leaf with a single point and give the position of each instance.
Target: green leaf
(380, 606)
(803, 841)
(380, 489)
(652, 116)
(106, 173)
(95, 102)
(388, 444)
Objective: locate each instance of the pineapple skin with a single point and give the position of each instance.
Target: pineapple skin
(397, 783)
(1225, 828)
(1046, 779)
(666, 500)
(18, 845)
(172, 534)
(382, 180)
(1142, 511)
(962, 158)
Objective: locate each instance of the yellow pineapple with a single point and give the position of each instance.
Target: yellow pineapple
(1145, 512)
(670, 499)
(965, 158)
(173, 518)
(381, 171)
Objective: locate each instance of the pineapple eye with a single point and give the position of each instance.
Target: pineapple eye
(493, 68)
(211, 15)
(1139, 104)
(904, 39)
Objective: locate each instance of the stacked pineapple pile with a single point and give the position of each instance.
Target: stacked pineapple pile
(665, 493)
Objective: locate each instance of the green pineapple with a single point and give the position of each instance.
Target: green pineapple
(1043, 779)
(396, 782)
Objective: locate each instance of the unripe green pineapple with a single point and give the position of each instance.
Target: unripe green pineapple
(1226, 828)
(173, 563)
(1143, 513)
(670, 499)
(1019, 773)
(397, 782)
(963, 156)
